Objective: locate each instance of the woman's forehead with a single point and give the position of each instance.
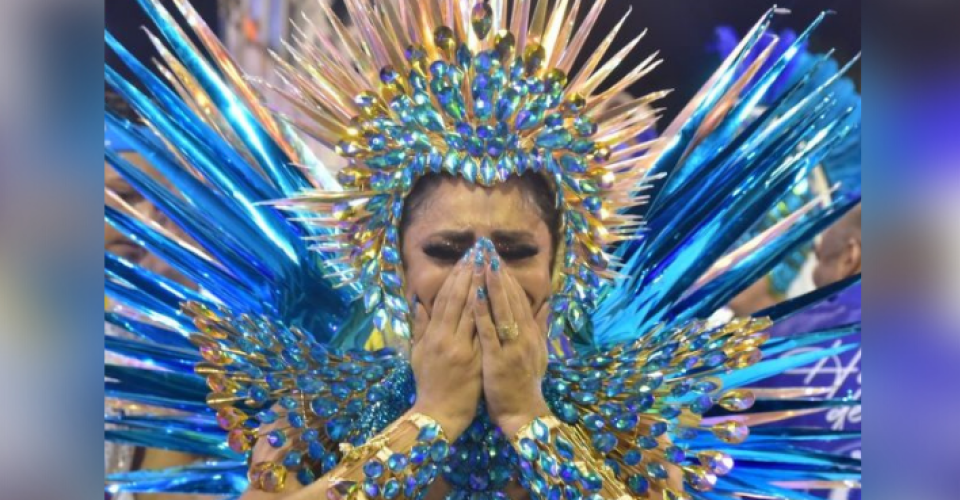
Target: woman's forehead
(462, 206)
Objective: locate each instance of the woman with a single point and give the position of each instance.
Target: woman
(478, 261)
(487, 227)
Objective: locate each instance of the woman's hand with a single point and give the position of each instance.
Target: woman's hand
(446, 353)
(514, 344)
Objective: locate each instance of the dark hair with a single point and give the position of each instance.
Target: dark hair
(534, 185)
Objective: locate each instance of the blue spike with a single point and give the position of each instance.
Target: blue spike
(152, 333)
(268, 155)
(198, 270)
(269, 223)
(170, 358)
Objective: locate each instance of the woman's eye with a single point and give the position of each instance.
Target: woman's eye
(517, 252)
(444, 253)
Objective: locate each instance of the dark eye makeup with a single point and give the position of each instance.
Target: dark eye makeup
(448, 248)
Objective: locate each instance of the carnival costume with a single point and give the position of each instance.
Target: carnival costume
(296, 268)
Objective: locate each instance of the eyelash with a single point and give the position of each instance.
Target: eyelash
(451, 253)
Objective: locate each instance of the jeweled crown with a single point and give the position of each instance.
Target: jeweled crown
(452, 86)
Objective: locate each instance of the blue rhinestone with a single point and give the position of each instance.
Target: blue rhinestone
(276, 438)
(528, 449)
(656, 470)
(488, 173)
(571, 493)
(428, 433)
(625, 422)
(315, 450)
(371, 488)
(674, 454)
(554, 120)
(377, 142)
(591, 481)
(495, 147)
(584, 398)
(592, 384)
(267, 416)
(305, 476)
(658, 429)
(479, 481)
(555, 493)
(540, 430)
(485, 61)
(464, 129)
(632, 457)
(311, 435)
(439, 451)
(567, 412)
(564, 448)
(464, 56)
(292, 460)
(593, 422)
(469, 169)
(373, 469)
(647, 442)
(483, 105)
(638, 484)
(701, 404)
(391, 489)
(605, 442)
(640, 403)
(569, 472)
(419, 454)
(328, 463)
(338, 428)
(614, 465)
(438, 69)
(670, 412)
(259, 395)
(573, 164)
(507, 104)
(397, 462)
(340, 391)
(296, 420)
(475, 147)
(549, 465)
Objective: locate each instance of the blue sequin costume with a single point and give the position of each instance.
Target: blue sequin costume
(273, 333)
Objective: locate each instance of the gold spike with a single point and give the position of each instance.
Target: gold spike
(563, 39)
(539, 21)
(355, 53)
(608, 67)
(520, 22)
(639, 72)
(362, 16)
(573, 49)
(234, 75)
(552, 32)
(594, 60)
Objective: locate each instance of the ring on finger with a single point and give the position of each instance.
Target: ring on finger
(509, 331)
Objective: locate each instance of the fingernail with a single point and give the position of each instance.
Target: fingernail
(495, 263)
(479, 257)
(481, 292)
(466, 256)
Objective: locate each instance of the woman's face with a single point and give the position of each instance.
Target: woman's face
(454, 215)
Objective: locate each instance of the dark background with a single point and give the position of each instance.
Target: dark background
(682, 30)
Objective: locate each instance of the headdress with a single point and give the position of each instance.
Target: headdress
(464, 89)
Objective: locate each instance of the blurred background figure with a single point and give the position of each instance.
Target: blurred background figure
(838, 252)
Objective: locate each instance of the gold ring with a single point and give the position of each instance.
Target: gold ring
(508, 332)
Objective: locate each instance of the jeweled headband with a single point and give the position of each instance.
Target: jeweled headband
(457, 87)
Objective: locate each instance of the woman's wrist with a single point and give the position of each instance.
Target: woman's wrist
(511, 424)
(452, 426)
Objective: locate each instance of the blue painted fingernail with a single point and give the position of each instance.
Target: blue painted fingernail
(495, 263)
(479, 258)
(481, 292)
